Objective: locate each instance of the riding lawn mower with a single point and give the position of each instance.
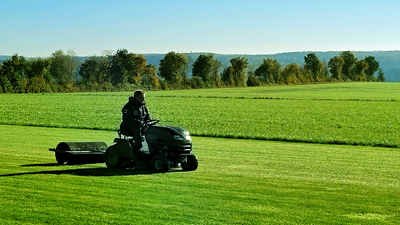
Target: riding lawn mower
(164, 147)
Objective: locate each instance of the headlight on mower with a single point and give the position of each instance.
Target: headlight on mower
(178, 138)
(186, 136)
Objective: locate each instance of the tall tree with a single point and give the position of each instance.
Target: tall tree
(265, 72)
(207, 68)
(239, 64)
(269, 71)
(202, 67)
(127, 67)
(316, 67)
(290, 73)
(227, 76)
(276, 71)
(90, 69)
(63, 68)
(348, 65)
(39, 76)
(138, 66)
(13, 74)
(5, 84)
(373, 66)
(336, 64)
(39, 67)
(172, 66)
(105, 71)
(150, 79)
(359, 68)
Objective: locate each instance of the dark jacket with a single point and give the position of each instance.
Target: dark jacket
(134, 114)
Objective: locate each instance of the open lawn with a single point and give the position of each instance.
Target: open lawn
(237, 182)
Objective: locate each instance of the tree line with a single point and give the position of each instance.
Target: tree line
(125, 71)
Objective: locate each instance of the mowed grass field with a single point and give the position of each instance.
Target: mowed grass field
(239, 181)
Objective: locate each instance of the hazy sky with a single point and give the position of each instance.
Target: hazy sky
(40, 27)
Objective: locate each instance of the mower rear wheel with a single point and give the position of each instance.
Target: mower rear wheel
(159, 163)
(113, 160)
(62, 158)
(191, 163)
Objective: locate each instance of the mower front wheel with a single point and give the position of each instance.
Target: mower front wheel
(191, 163)
(160, 163)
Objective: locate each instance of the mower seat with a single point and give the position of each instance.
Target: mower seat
(127, 134)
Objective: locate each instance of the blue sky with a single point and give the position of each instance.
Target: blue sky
(34, 28)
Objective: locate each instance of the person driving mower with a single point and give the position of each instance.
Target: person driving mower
(134, 119)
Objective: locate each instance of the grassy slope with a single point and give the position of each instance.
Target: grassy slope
(347, 113)
(238, 181)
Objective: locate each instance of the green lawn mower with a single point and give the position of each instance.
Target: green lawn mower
(164, 148)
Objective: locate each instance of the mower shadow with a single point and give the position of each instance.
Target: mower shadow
(55, 164)
(100, 172)
(41, 165)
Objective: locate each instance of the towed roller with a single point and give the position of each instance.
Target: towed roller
(79, 152)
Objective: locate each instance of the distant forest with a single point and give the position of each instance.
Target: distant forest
(124, 71)
(389, 61)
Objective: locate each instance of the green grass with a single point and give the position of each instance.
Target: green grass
(347, 113)
(237, 182)
(340, 122)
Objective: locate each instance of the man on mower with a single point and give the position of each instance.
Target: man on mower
(134, 118)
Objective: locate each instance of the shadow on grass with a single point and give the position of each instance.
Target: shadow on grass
(101, 172)
(41, 165)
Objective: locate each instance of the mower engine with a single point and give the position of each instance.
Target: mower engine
(175, 140)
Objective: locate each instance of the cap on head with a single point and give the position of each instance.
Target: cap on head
(139, 93)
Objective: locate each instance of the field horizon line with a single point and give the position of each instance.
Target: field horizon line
(272, 98)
